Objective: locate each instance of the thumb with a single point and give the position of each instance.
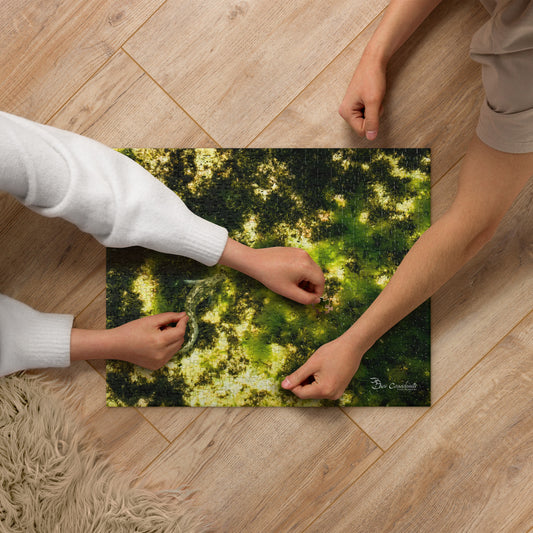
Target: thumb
(299, 375)
(302, 296)
(371, 121)
(163, 319)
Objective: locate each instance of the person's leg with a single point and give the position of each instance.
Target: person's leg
(489, 182)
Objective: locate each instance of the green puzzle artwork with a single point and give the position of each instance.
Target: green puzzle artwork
(355, 211)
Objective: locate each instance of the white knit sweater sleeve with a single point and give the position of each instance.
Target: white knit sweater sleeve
(61, 174)
(101, 191)
(30, 339)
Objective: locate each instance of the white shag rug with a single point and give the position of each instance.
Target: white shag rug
(55, 477)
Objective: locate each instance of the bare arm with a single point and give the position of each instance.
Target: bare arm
(150, 341)
(362, 103)
(489, 182)
(288, 271)
(401, 19)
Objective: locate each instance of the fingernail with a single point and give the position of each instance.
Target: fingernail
(286, 383)
(371, 135)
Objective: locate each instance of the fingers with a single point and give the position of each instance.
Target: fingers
(300, 375)
(315, 278)
(354, 117)
(164, 319)
(309, 391)
(363, 119)
(371, 122)
(175, 335)
(305, 383)
(302, 296)
(311, 285)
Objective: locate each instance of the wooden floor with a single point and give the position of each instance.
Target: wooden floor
(264, 73)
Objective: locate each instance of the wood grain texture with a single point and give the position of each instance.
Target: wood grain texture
(9, 209)
(466, 466)
(433, 96)
(129, 440)
(486, 298)
(49, 264)
(385, 425)
(49, 49)
(235, 66)
(122, 107)
(264, 469)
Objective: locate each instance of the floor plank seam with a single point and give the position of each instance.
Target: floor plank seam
(105, 63)
(319, 73)
(416, 422)
(136, 408)
(89, 304)
(361, 429)
(173, 440)
(438, 180)
(142, 25)
(78, 90)
(343, 491)
(173, 100)
(457, 382)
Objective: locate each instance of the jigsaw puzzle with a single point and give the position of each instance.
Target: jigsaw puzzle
(356, 211)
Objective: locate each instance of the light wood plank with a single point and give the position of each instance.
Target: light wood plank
(433, 95)
(466, 466)
(385, 425)
(49, 49)
(235, 65)
(49, 264)
(122, 107)
(129, 440)
(171, 421)
(264, 469)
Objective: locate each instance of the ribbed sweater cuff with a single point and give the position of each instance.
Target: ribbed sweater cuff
(204, 241)
(49, 341)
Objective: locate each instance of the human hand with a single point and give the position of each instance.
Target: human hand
(150, 341)
(362, 105)
(327, 373)
(288, 271)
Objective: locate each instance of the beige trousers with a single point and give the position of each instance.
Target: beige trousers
(504, 47)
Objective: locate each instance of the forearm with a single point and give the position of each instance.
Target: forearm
(489, 182)
(238, 256)
(90, 344)
(440, 252)
(400, 20)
